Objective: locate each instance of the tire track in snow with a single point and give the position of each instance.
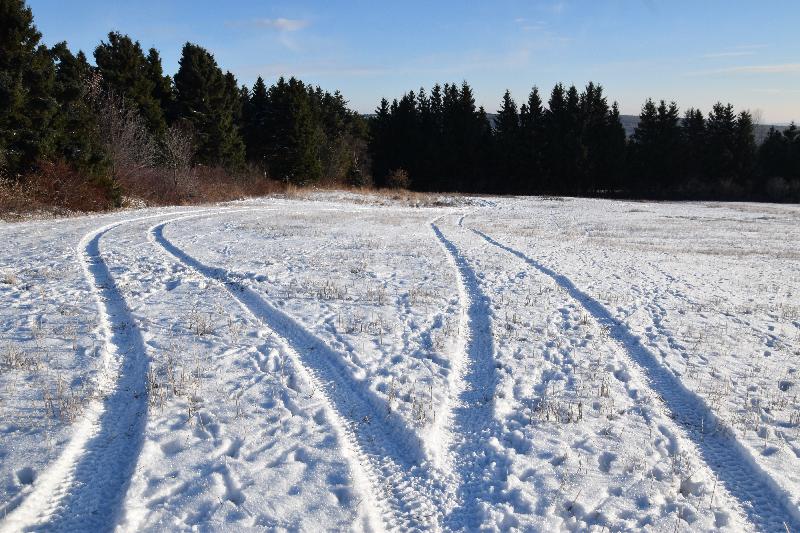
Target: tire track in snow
(84, 488)
(766, 504)
(480, 471)
(393, 473)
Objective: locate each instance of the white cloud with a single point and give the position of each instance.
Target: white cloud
(761, 69)
(281, 24)
(729, 54)
(785, 68)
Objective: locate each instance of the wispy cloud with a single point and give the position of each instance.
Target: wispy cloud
(761, 69)
(776, 91)
(281, 28)
(751, 46)
(785, 68)
(557, 7)
(739, 53)
(278, 24)
(282, 24)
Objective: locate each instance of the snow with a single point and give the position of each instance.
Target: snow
(368, 363)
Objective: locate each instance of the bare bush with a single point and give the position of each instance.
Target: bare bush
(398, 179)
(177, 155)
(55, 184)
(125, 136)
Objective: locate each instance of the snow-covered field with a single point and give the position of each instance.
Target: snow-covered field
(332, 363)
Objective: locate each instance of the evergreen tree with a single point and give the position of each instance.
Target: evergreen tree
(507, 146)
(721, 141)
(532, 126)
(379, 143)
(561, 138)
(655, 148)
(254, 121)
(203, 98)
(693, 127)
(613, 145)
(77, 140)
(27, 78)
(744, 149)
(293, 142)
(772, 154)
(594, 131)
(163, 91)
(128, 73)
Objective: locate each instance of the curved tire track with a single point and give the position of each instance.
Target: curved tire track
(480, 471)
(407, 490)
(84, 488)
(768, 506)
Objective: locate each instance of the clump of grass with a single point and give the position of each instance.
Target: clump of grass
(8, 278)
(64, 402)
(12, 357)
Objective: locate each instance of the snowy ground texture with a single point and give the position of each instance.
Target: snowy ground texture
(332, 363)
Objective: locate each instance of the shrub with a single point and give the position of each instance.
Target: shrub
(398, 179)
(57, 184)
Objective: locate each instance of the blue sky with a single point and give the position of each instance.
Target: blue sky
(694, 52)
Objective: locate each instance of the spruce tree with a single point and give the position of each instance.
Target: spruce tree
(693, 127)
(293, 142)
(255, 124)
(721, 140)
(614, 152)
(745, 149)
(507, 144)
(532, 137)
(380, 143)
(656, 148)
(203, 99)
(594, 139)
(163, 91)
(128, 73)
(27, 103)
(77, 137)
(561, 138)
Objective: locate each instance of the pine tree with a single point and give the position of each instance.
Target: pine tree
(203, 99)
(613, 146)
(128, 73)
(721, 142)
(562, 152)
(532, 126)
(693, 127)
(507, 146)
(163, 91)
(656, 147)
(27, 78)
(594, 139)
(379, 143)
(745, 149)
(77, 137)
(294, 141)
(255, 124)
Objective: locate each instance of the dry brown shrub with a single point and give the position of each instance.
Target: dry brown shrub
(56, 186)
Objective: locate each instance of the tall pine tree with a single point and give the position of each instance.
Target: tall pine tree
(203, 99)
(128, 73)
(27, 79)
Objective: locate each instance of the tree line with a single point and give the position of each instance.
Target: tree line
(575, 144)
(122, 126)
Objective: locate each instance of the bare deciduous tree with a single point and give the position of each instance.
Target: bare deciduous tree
(124, 133)
(177, 154)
